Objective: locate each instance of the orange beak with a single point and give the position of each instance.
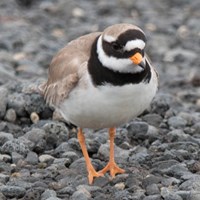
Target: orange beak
(136, 58)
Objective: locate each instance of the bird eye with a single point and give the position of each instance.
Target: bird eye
(116, 46)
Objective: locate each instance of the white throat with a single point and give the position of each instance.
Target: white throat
(123, 65)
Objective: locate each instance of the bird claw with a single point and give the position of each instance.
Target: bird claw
(113, 168)
(92, 173)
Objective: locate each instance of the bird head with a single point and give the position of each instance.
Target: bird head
(121, 48)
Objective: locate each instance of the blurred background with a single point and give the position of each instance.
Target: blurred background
(32, 31)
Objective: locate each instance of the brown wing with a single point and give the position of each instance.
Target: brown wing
(63, 71)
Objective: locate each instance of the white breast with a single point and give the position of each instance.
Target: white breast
(107, 106)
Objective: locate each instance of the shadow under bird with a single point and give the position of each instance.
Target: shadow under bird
(102, 80)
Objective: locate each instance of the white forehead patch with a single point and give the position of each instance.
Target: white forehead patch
(109, 38)
(134, 44)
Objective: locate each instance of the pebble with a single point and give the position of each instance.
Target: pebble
(169, 194)
(4, 137)
(10, 115)
(12, 191)
(177, 122)
(47, 194)
(32, 158)
(15, 146)
(3, 101)
(137, 130)
(45, 158)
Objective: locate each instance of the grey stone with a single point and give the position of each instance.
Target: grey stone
(81, 195)
(32, 158)
(191, 195)
(4, 178)
(177, 122)
(3, 101)
(152, 189)
(153, 197)
(16, 157)
(53, 198)
(151, 179)
(17, 102)
(153, 119)
(169, 194)
(15, 146)
(4, 137)
(121, 155)
(12, 191)
(10, 115)
(5, 158)
(32, 194)
(2, 197)
(35, 135)
(137, 130)
(47, 194)
(177, 135)
(191, 184)
(45, 158)
(71, 155)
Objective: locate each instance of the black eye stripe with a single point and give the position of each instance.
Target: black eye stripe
(131, 35)
(121, 41)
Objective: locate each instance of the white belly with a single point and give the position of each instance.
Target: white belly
(105, 107)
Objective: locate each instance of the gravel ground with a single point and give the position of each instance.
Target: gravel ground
(40, 157)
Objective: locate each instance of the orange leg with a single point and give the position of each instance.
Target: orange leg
(112, 166)
(91, 171)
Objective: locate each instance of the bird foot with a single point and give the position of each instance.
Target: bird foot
(113, 168)
(92, 173)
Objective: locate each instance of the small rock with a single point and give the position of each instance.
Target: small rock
(191, 184)
(152, 189)
(5, 158)
(47, 194)
(32, 158)
(4, 137)
(151, 179)
(32, 194)
(121, 155)
(15, 146)
(177, 122)
(2, 197)
(35, 135)
(153, 197)
(169, 194)
(45, 158)
(10, 115)
(17, 102)
(119, 186)
(16, 157)
(3, 101)
(153, 119)
(34, 117)
(81, 195)
(12, 191)
(137, 130)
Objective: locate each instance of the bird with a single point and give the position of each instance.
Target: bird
(102, 80)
